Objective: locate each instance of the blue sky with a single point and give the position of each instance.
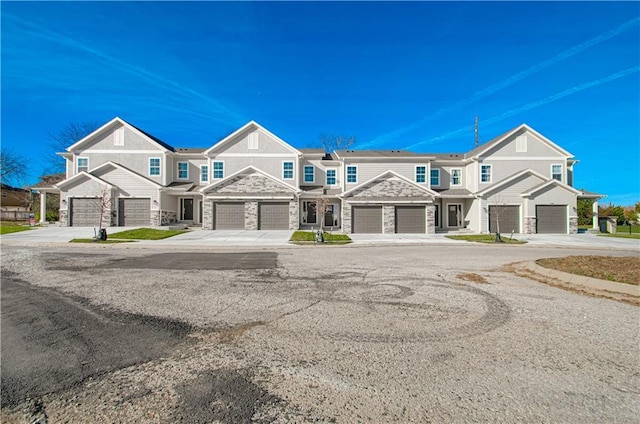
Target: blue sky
(395, 75)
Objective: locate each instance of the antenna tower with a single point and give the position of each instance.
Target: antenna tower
(476, 131)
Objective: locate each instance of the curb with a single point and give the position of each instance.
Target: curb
(580, 280)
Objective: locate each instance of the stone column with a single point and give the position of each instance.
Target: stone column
(431, 219)
(250, 215)
(43, 207)
(594, 209)
(389, 219)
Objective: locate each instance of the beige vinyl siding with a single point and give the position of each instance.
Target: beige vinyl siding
(445, 176)
(501, 169)
(511, 194)
(369, 170)
(271, 165)
(552, 195)
(168, 203)
(132, 141)
(535, 148)
(266, 144)
(137, 162)
(128, 185)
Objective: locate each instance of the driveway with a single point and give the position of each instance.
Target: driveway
(221, 238)
(55, 234)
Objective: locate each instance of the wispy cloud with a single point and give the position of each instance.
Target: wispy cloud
(505, 83)
(530, 106)
(213, 108)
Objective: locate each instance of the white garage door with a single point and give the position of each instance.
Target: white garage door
(273, 216)
(134, 212)
(366, 219)
(410, 219)
(228, 216)
(85, 212)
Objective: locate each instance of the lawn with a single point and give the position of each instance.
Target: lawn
(625, 229)
(620, 269)
(484, 238)
(310, 236)
(622, 235)
(92, 240)
(12, 227)
(145, 234)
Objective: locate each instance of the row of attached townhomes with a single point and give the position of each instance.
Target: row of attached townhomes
(253, 180)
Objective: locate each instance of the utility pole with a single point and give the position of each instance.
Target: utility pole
(476, 131)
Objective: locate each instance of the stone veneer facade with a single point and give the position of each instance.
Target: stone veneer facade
(573, 225)
(529, 225)
(163, 217)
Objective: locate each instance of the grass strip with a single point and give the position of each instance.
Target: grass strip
(145, 234)
(484, 238)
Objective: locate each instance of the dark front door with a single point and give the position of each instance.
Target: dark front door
(187, 209)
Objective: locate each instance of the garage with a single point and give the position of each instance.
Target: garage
(411, 219)
(228, 216)
(85, 212)
(134, 212)
(551, 219)
(508, 216)
(366, 219)
(273, 216)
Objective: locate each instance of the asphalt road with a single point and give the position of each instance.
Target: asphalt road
(310, 334)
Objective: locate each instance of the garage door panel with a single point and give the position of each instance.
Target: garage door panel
(228, 216)
(508, 216)
(134, 212)
(85, 212)
(551, 219)
(273, 216)
(410, 219)
(367, 219)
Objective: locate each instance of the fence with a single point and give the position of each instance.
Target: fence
(15, 215)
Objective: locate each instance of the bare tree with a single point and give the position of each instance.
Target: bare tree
(321, 209)
(13, 167)
(64, 138)
(496, 212)
(331, 142)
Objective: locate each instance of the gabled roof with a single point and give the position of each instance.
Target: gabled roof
(124, 123)
(503, 137)
(591, 195)
(247, 170)
(245, 127)
(511, 178)
(384, 174)
(125, 169)
(381, 154)
(82, 174)
(545, 184)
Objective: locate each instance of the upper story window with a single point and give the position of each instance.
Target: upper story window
(485, 173)
(556, 172)
(331, 177)
(183, 170)
(352, 174)
(421, 174)
(435, 177)
(521, 144)
(204, 173)
(154, 167)
(82, 164)
(218, 170)
(253, 141)
(287, 170)
(309, 176)
(118, 137)
(456, 176)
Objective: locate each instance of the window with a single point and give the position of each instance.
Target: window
(118, 137)
(154, 167)
(309, 176)
(204, 173)
(253, 141)
(556, 172)
(218, 170)
(521, 144)
(183, 170)
(83, 164)
(352, 174)
(485, 173)
(421, 174)
(435, 177)
(287, 170)
(331, 177)
(456, 176)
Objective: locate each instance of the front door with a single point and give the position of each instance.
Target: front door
(186, 209)
(331, 215)
(200, 212)
(454, 215)
(309, 215)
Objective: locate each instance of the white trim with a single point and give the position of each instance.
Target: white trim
(118, 166)
(394, 174)
(459, 179)
(461, 215)
(438, 171)
(490, 173)
(214, 197)
(507, 180)
(253, 141)
(82, 174)
(293, 170)
(257, 126)
(78, 170)
(178, 177)
(208, 173)
(212, 177)
(335, 177)
(415, 173)
(518, 158)
(244, 171)
(346, 174)
(549, 182)
(562, 168)
(255, 155)
(506, 136)
(302, 212)
(118, 137)
(159, 167)
(104, 151)
(181, 211)
(304, 174)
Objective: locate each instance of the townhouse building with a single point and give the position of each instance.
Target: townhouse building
(520, 181)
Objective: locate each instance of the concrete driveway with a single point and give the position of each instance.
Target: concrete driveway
(226, 238)
(55, 234)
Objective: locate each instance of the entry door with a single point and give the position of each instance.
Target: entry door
(331, 215)
(309, 212)
(454, 215)
(200, 212)
(186, 207)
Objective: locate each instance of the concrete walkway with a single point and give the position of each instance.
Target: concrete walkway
(223, 238)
